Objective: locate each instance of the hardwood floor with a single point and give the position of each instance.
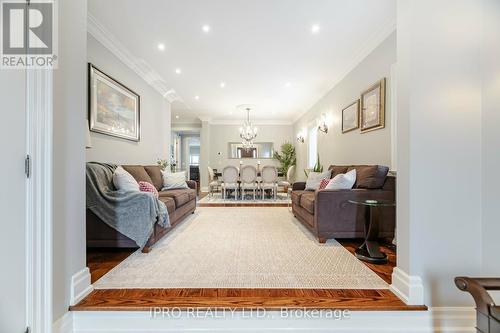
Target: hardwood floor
(269, 299)
(100, 261)
(384, 271)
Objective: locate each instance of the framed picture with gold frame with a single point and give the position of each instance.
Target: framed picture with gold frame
(372, 113)
(350, 117)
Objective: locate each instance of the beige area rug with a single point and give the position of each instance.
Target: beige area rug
(242, 247)
(216, 199)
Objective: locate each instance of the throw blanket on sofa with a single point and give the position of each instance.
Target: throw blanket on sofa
(133, 214)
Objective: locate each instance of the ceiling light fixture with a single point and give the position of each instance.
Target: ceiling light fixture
(196, 97)
(288, 85)
(161, 47)
(177, 117)
(205, 28)
(315, 28)
(222, 84)
(178, 71)
(248, 132)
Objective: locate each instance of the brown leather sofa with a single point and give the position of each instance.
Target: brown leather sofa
(328, 214)
(179, 202)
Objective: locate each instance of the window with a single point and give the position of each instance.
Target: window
(312, 151)
(194, 159)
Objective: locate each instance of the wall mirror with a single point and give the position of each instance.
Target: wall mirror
(259, 150)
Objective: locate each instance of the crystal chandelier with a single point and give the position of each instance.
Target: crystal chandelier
(248, 132)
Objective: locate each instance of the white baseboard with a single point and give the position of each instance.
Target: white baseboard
(449, 320)
(409, 288)
(63, 324)
(80, 286)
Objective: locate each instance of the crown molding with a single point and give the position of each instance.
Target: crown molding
(254, 122)
(139, 66)
(368, 47)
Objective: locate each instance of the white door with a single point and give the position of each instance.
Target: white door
(13, 310)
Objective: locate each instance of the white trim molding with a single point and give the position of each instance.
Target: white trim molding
(80, 286)
(452, 320)
(409, 288)
(139, 66)
(64, 324)
(39, 200)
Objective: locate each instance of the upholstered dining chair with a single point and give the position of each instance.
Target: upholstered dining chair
(212, 182)
(248, 180)
(269, 177)
(288, 182)
(230, 181)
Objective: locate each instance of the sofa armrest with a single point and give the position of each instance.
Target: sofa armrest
(298, 186)
(192, 184)
(478, 287)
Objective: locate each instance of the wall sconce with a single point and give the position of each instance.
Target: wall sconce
(300, 138)
(322, 126)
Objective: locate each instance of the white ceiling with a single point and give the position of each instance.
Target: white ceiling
(254, 46)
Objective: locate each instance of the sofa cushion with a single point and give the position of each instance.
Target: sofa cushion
(370, 176)
(124, 181)
(170, 203)
(154, 172)
(148, 187)
(338, 169)
(138, 172)
(307, 201)
(181, 196)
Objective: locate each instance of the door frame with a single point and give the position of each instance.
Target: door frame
(39, 109)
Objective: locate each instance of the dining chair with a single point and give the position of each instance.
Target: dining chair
(248, 180)
(269, 177)
(230, 181)
(212, 182)
(287, 183)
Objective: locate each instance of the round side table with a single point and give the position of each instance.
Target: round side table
(369, 251)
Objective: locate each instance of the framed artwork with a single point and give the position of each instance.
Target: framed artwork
(350, 117)
(373, 107)
(114, 109)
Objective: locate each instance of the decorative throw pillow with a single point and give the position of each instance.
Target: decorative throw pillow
(148, 187)
(343, 181)
(314, 179)
(124, 181)
(323, 183)
(173, 180)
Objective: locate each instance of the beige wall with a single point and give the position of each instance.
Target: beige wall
(222, 134)
(353, 147)
(155, 116)
(69, 152)
(439, 145)
(490, 139)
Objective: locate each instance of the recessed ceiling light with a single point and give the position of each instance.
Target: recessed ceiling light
(161, 47)
(222, 84)
(230, 113)
(315, 28)
(206, 28)
(196, 97)
(288, 84)
(178, 71)
(177, 117)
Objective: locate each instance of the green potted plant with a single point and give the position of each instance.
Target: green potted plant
(317, 168)
(286, 158)
(163, 164)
